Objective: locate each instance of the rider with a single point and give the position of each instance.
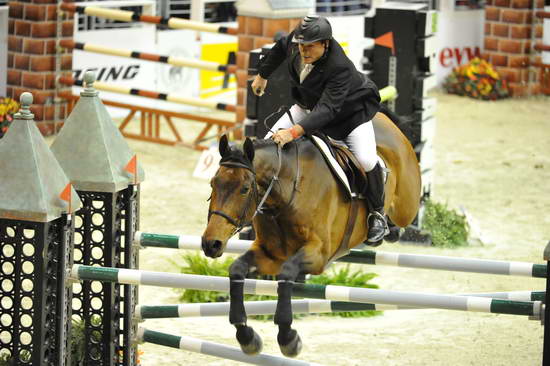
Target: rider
(331, 96)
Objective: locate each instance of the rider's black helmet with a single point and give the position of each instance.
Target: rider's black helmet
(311, 29)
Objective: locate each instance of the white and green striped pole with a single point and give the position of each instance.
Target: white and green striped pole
(337, 293)
(298, 306)
(252, 308)
(190, 242)
(215, 349)
(435, 262)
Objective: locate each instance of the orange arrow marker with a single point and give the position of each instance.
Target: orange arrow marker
(386, 40)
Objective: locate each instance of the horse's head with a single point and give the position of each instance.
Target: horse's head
(234, 197)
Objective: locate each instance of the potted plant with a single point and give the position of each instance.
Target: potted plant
(476, 79)
(8, 107)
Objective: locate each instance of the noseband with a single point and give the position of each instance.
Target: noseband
(240, 223)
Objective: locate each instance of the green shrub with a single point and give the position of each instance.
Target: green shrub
(77, 344)
(448, 228)
(78, 340)
(343, 276)
(7, 360)
(196, 263)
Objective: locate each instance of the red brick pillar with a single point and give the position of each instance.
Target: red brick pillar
(509, 31)
(258, 25)
(31, 57)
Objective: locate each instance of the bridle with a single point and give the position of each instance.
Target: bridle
(240, 223)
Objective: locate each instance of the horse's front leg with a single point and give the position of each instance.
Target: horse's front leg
(302, 262)
(250, 341)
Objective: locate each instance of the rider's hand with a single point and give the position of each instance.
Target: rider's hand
(283, 137)
(258, 85)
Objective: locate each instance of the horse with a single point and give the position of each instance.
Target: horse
(299, 213)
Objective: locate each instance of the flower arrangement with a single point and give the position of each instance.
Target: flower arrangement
(8, 107)
(476, 79)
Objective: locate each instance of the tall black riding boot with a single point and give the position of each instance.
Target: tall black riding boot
(378, 227)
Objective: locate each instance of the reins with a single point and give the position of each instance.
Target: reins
(240, 224)
(274, 179)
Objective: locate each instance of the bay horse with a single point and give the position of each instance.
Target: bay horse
(303, 216)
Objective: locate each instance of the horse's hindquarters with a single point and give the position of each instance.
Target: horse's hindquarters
(403, 187)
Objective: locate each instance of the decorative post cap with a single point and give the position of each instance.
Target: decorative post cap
(89, 80)
(24, 112)
(91, 149)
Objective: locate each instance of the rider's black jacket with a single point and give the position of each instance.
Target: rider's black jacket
(340, 97)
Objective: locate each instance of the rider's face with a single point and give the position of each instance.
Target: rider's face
(312, 52)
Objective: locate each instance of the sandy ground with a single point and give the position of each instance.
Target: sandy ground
(492, 158)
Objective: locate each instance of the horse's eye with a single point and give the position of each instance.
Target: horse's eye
(244, 189)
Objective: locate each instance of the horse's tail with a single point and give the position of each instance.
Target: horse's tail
(403, 125)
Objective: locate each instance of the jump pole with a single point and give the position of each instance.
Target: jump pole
(486, 266)
(130, 16)
(66, 80)
(214, 349)
(298, 306)
(176, 61)
(337, 293)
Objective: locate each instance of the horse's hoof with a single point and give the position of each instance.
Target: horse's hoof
(250, 342)
(292, 348)
(393, 236)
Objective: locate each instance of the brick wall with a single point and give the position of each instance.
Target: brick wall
(32, 32)
(255, 32)
(509, 32)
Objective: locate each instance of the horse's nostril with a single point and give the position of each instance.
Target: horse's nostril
(217, 244)
(211, 248)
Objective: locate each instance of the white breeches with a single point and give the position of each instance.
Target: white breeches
(361, 140)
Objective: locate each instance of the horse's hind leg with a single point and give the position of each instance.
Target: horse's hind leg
(395, 232)
(249, 340)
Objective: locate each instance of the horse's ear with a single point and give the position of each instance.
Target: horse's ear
(248, 148)
(224, 146)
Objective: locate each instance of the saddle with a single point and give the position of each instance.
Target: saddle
(354, 172)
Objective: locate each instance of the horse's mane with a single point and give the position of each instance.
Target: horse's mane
(404, 124)
(261, 143)
(236, 152)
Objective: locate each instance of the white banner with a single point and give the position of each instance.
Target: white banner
(175, 79)
(123, 71)
(156, 76)
(460, 37)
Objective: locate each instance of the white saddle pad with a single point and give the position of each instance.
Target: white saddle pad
(336, 169)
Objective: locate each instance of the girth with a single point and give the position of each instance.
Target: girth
(357, 179)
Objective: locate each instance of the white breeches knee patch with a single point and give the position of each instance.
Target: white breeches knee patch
(362, 143)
